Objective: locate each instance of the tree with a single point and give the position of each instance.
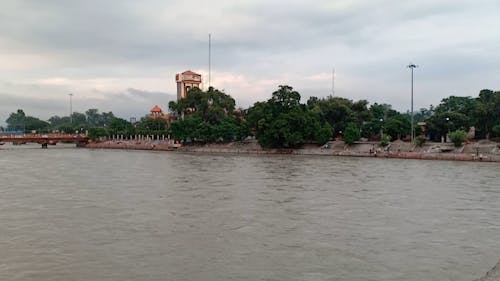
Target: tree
(35, 124)
(385, 140)
(95, 133)
(464, 105)
(106, 118)
(148, 123)
(283, 122)
(285, 99)
(496, 130)
(351, 133)
(16, 121)
(94, 119)
(458, 137)
(323, 134)
(121, 126)
(208, 116)
(439, 124)
(19, 121)
(423, 114)
(382, 111)
(337, 112)
(397, 126)
(487, 111)
(184, 129)
(211, 106)
(227, 130)
(79, 119)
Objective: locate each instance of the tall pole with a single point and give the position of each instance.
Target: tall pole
(71, 108)
(209, 60)
(412, 66)
(333, 82)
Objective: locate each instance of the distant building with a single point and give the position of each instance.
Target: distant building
(157, 113)
(185, 82)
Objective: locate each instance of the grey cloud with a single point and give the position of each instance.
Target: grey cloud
(369, 41)
(128, 103)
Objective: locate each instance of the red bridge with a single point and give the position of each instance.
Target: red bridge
(45, 139)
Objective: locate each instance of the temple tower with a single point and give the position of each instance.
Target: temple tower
(186, 81)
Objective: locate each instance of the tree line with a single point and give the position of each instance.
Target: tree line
(97, 124)
(283, 121)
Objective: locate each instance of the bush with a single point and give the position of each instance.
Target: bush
(385, 140)
(323, 134)
(496, 130)
(420, 140)
(458, 137)
(351, 134)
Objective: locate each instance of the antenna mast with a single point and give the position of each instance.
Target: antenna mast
(209, 60)
(333, 82)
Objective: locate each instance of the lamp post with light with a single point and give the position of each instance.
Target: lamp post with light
(412, 66)
(71, 107)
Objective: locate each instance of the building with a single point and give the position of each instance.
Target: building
(185, 82)
(157, 113)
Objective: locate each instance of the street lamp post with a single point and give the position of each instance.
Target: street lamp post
(412, 66)
(381, 128)
(447, 129)
(71, 107)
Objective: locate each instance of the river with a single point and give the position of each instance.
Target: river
(81, 214)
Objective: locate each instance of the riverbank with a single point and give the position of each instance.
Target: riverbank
(132, 145)
(482, 151)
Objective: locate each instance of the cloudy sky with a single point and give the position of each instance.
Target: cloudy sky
(122, 56)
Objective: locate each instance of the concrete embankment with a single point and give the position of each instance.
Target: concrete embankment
(401, 150)
(132, 145)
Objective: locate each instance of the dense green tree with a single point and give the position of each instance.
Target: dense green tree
(148, 123)
(122, 126)
(423, 114)
(487, 111)
(496, 130)
(382, 111)
(35, 124)
(16, 121)
(19, 121)
(208, 116)
(397, 126)
(211, 106)
(79, 118)
(227, 130)
(285, 99)
(351, 133)
(56, 121)
(323, 134)
(95, 133)
(464, 105)
(94, 118)
(440, 124)
(283, 122)
(184, 129)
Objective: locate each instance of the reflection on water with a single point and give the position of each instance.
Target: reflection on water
(76, 214)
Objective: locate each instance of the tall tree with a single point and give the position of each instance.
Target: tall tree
(283, 122)
(211, 106)
(487, 111)
(16, 121)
